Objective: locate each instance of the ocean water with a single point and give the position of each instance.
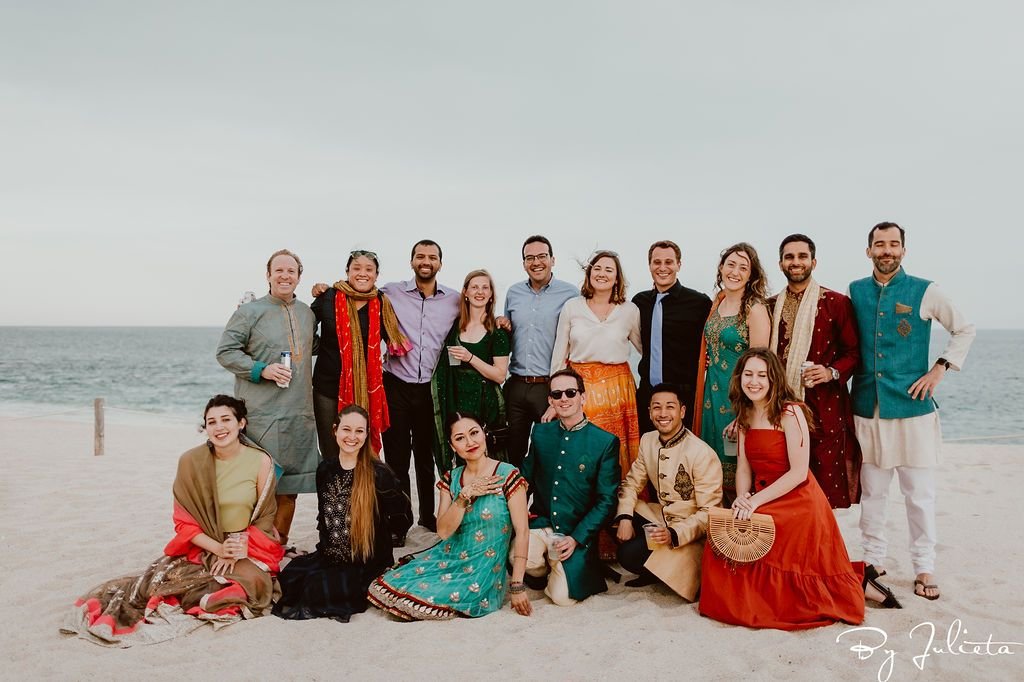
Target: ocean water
(172, 371)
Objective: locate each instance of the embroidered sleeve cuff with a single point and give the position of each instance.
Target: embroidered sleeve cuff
(254, 373)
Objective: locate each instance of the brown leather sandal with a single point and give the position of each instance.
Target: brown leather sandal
(925, 587)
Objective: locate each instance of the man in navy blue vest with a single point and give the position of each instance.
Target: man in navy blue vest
(894, 413)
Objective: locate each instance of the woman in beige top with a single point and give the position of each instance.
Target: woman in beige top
(595, 332)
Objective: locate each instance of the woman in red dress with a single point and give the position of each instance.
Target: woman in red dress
(806, 580)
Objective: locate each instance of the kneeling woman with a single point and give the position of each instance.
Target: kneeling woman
(464, 574)
(806, 579)
(360, 508)
(220, 565)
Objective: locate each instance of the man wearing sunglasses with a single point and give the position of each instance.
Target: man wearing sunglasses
(572, 468)
(531, 314)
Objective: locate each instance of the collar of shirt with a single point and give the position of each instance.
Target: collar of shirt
(409, 286)
(895, 278)
(674, 440)
(674, 289)
(583, 422)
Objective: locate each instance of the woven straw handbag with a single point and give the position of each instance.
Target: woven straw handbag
(740, 541)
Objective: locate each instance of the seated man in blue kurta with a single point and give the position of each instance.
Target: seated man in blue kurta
(573, 471)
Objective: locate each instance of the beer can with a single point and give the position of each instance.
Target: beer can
(286, 360)
(803, 368)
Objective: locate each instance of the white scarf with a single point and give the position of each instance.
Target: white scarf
(799, 335)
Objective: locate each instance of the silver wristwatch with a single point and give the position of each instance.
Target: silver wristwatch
(835, 373)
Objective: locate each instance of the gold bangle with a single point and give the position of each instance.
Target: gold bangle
(462, 501)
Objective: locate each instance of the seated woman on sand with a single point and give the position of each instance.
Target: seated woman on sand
(482, 503)
(360, 507)
(220, 565)
(806, 579)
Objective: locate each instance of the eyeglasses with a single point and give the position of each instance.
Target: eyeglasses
(569, 393)
(540, 258)
(369, 254)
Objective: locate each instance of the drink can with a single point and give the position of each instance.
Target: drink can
(286, 360)
(803, 368)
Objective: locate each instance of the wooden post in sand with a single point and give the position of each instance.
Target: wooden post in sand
(97, 441)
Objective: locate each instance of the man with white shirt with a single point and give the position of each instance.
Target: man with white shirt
(894, 413)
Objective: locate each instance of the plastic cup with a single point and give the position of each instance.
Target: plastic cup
(242, 539)
(649, 529)
(452, 360)
(553, 552)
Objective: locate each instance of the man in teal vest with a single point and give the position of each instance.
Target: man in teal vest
(572, 469)
(894, 412)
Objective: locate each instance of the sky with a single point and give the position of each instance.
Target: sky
(154, 154)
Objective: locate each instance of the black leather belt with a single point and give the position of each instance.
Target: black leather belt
(530, 380)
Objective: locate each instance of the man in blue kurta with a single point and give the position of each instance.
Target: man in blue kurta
(894, 413)
(572, 468)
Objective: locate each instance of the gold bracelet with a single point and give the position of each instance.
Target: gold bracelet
(462, 501)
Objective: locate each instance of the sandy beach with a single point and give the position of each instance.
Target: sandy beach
(72, 520)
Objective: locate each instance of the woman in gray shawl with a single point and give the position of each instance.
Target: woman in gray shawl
(279, 398)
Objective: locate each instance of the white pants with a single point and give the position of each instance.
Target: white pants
(918, 487)
(539, 563)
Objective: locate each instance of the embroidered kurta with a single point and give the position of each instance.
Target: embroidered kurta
(573, 476)
(835, 453)
(685, 479)
(280, 420)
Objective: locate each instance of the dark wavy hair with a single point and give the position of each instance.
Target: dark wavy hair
(568, 372)
(236, 405)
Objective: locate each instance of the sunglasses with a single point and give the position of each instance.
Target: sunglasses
(369, 254)
(569, 393)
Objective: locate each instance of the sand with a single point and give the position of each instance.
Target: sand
(71, 520)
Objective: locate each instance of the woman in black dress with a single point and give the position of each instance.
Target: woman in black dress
(360, 507)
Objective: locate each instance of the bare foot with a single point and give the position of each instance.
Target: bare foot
(925, 586)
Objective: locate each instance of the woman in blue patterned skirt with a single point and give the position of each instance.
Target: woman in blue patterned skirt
(482, 503)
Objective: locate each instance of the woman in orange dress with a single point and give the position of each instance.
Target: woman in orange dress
(806, 580)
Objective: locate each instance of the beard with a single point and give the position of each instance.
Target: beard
(425, 278)
(797, 278)
(887, 268)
